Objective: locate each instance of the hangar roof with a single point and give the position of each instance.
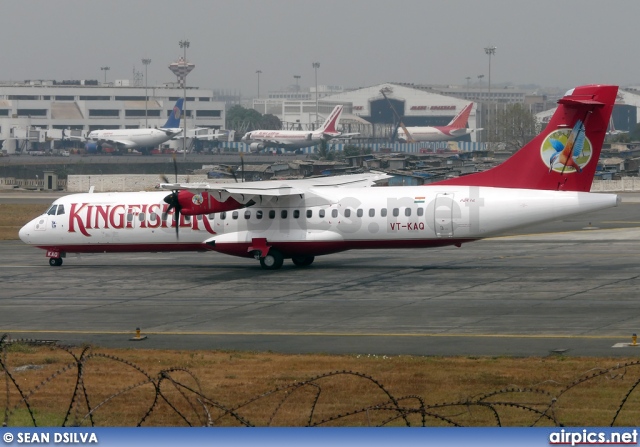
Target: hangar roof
(417, 102)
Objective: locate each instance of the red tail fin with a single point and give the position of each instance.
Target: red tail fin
(331, 124)
(460, 120)
(564, 155)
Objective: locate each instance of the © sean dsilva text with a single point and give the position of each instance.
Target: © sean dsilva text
(45, 438)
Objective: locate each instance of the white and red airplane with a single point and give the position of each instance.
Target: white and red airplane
(456, 128)
(295, 139)
(548, 179)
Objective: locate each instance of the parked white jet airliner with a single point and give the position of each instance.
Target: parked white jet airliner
(130, 138)
(456, 128)
(295, 139)
(548, 179)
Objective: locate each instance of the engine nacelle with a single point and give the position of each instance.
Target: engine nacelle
(256, 147)
(204, 203)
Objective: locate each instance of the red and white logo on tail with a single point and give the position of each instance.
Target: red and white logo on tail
(460, 120)
(564, 155)
(329, 127)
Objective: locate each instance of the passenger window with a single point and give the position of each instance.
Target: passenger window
(420, 211)
(52, 210)
(283, 214)
(309, 214)
(153, 217)
(296, 214)
(347, 212)
(247, 214)
(407, 211)
(321, 214)
(141, 217)
(129, 217)
(199, 217)
(383, 212)
(259, 214)
(164, 216)
(223, 215)
(272, 214)
(211, 216)
(60, 209)
(187, 219)
(359, 212)
(234, 215)
(372, 212)
(334, 213)
(396, 212)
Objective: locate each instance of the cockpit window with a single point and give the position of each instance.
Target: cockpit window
(60, 209)
(52, 210)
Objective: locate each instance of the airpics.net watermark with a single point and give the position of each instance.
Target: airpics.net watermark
(588, 437)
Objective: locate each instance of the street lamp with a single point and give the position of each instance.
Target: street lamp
(105, 69)
(146, 63)
(490, 51)
(315, 66)
(297, 78)
(258, 73)
(184, 44)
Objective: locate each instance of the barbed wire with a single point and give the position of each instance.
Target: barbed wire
(178, 391)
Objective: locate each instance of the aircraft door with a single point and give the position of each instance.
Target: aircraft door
(443, 215)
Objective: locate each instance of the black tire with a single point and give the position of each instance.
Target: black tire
(273, 261)
(303, 261)
(55, 262)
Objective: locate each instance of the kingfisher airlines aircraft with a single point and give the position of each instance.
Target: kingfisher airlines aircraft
(455, 129)
(548, 179)
(296, 139)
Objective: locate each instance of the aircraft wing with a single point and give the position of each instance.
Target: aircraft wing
(243, 192)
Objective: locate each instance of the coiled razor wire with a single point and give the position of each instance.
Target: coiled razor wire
(193, 408)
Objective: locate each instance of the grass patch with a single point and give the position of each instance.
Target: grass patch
(14, 216)
(269, 389)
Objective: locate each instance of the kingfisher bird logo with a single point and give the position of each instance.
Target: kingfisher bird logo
(176, 112)
(197, 199)
(566, 151)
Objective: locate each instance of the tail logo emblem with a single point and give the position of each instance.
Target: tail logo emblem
(176, 112)
(566, 151)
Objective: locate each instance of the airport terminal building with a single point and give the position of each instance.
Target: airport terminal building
(83, 106)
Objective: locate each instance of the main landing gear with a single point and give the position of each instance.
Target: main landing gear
(275, 259)
(55, 262)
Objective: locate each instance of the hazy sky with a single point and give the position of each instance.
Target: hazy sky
(554, 43)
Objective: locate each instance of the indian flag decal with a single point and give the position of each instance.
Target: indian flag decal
(418, 200)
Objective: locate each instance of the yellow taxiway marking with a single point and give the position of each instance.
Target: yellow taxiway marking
(317, 334)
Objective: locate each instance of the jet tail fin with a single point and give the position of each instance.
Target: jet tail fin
(174, 118)
(460, 120)
(564, 155)
(330, 126)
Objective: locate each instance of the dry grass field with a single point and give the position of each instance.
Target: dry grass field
(41, 385)
(14, 216)
(131, 387)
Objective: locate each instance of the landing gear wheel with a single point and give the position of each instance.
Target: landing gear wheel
(303, 261)
(273, 261)
(55, 262)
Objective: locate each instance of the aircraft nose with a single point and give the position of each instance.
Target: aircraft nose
(25, 232)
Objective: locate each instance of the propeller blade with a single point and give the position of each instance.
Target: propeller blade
(174, 204)
(164, 178)
(175, 166)
(242, 165)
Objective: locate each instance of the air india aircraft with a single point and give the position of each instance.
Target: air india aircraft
(548, 179)
(296, 139)
(455, 129)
